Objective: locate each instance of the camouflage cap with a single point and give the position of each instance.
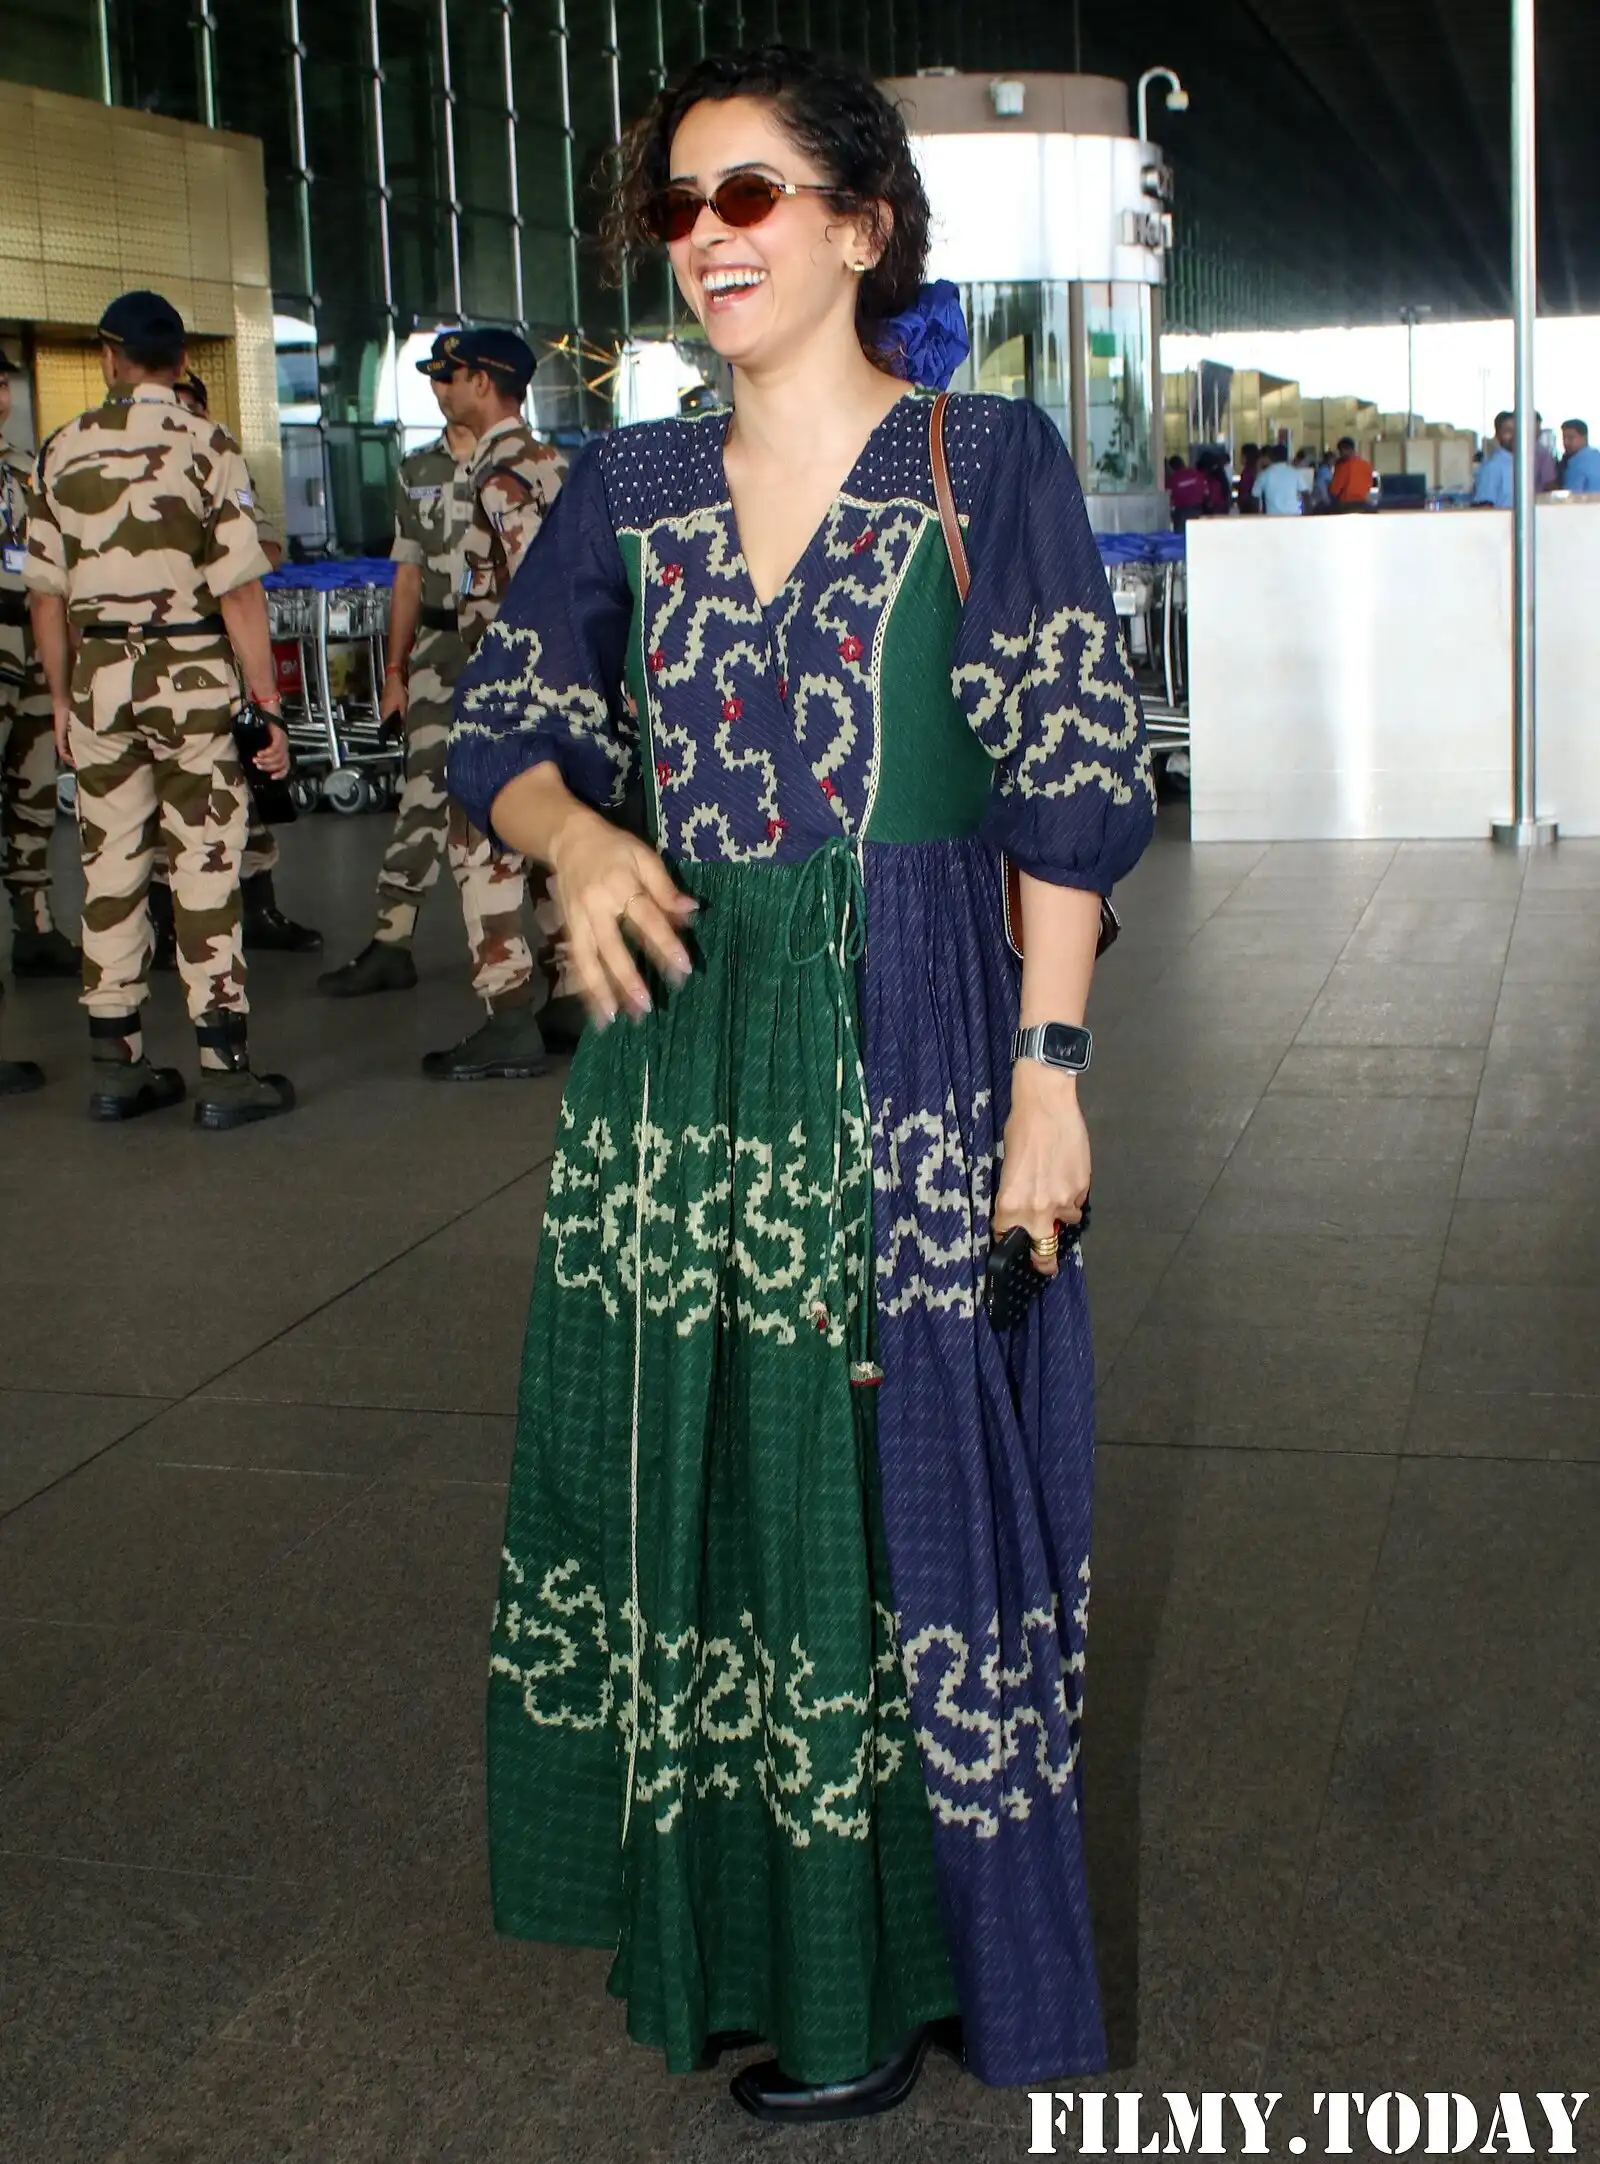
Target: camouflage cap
(193, 386)
(141, 319)
(501, 354)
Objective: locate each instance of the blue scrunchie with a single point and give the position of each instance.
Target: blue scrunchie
(928, 341)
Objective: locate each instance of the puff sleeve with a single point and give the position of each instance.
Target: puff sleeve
(546, 682)
(1038, 666)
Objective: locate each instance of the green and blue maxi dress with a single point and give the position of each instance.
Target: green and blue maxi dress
(787, 1665)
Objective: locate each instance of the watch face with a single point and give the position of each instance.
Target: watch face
(1065, 1046)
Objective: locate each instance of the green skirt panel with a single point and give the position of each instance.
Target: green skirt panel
(699, 1748)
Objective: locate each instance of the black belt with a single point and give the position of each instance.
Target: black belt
(204, 627)
(13, 608)
(437, 620)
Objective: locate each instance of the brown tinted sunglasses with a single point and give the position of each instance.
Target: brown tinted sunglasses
(742, 200)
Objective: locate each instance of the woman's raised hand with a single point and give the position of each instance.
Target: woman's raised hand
(611, 887)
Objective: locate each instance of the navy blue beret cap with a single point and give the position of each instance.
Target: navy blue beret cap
(141, 319)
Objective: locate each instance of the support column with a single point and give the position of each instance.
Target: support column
(205, 38)
(380, 163)
(513, 177)
(102, 45)
(302, 163)
(1078, 381)
(614, 66)
(1524, 828)
(448, 134)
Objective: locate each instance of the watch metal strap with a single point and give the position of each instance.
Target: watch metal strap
(1030, 1044)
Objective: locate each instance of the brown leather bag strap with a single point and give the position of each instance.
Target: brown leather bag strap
(945, 497)
(955, 542)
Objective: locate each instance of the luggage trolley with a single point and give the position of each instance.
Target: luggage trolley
(1149, 590)
(328, 623)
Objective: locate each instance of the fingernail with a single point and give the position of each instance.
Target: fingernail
(640, 1005)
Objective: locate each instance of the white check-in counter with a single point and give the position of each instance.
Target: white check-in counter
(1350, 677)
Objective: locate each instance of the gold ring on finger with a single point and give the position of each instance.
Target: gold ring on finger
(1047, 1249)
(636, 896)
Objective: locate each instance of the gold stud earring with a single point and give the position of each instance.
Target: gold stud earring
(860, 269)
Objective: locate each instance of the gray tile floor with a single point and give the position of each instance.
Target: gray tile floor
(255, 1399)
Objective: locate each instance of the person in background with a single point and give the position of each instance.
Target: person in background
(142, 540)
(1277, 489)
(265, 928)
(433, 507)
(1219, 494)
(1322, 483)
(1186, 491)
(1545, 472)
(1580, 466)
(1496, 482)
(1305, 474)
(1350, 487)
(1249, 465)
(28, 767)
(481, 379)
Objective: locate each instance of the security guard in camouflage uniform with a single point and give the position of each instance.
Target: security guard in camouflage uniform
(142, 534)
(27, 746)
(265, 928)
(432, 507)
(481, 377)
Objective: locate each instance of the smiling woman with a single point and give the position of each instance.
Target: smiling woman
(787, 1668)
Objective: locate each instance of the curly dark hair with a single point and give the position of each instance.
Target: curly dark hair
(840, 119)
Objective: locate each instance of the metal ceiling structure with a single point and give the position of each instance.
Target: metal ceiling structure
(1358, 150)
(1340, 160)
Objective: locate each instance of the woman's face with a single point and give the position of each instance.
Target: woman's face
(762, 291)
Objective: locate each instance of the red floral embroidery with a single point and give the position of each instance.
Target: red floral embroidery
(671, 573)
(775, 827)
(658, 661)
(732, 709)
(663, 772)
(863, 540)
(828, 790)
(850, 649)
(783, 687)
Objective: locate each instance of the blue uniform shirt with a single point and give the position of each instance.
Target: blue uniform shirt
(1496, 479)
(1582, 473)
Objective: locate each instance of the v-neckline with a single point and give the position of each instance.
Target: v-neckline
(911, 393)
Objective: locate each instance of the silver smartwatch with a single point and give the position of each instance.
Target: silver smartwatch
(1054, 1044)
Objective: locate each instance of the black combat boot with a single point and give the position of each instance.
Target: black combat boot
(266, 929)
(767, 2092)
(126, 1086)
(383, 965)
(163, 926)
(230, 1095)
(44, 954)
(18, 1075)
(508, 1048)
(562, 1021)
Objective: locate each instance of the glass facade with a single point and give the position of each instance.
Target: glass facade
(1119, 337)
(1021, 345)
(434, 161)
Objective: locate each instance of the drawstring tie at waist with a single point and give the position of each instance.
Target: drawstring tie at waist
(830, 889)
